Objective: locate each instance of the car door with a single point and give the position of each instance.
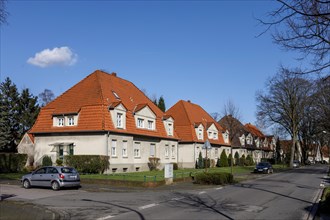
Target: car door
(38, 177)
(52, 174)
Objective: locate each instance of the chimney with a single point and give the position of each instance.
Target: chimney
(188, 101)
(114, 74)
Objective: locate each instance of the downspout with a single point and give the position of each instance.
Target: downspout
(107, 143)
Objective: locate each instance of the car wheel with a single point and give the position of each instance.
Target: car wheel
(55, 186)
(26, 184)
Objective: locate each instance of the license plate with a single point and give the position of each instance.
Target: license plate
(73, 177)
(260, 170)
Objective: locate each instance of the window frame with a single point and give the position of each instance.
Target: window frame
(113, 148)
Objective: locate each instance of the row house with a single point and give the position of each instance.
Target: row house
(194, 126)
(249, 140)
(103, 115)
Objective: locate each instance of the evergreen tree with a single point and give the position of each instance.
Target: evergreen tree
(230, 157)
(219, 162)
(242, 160)
(223, 159)
(200, 161)
(28, 111)
(249, 160)
(161, 104)
(236, 161)
(9, 117)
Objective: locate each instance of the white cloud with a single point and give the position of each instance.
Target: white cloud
(58, 56)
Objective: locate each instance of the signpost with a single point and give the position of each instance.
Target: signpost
(207, 146)
(168, 173)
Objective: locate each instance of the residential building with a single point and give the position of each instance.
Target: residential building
(105, 115)
(195, 126)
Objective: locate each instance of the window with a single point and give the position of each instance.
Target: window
(166, 151)
(173, 151)
(71, 149)
(210, 134)
(60, 152)
(140, 123)
(200, 134)
(152, 150)
(215, 135)
(170, 129)
(124, 150)
(71, 121)
(137, 149)
(150, 125)
(119, 120)
(114, 148)
(60, 121)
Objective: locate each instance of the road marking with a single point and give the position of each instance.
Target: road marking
(218, 188)
(148, 206)
(202, 192)
(106, 217)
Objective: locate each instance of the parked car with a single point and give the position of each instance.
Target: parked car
(296, 164)
(55, 177)
(263, 167)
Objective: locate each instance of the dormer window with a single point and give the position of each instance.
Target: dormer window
(119, 120)
(150, 125)
(60, 122)
(71, 121)
(200, 134)
(140, 123)
(215, 135)
(170, 129)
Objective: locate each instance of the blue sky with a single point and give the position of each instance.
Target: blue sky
(203, 51)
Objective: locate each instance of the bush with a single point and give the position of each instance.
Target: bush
(153, 163)
(223, 159)
(11, 162)
(218, 163)
(212, 163)
(206, 163)
(88, 163)
(200, 164)
(242, 160)
(175, 166)
(230, 158)
(249, 160)
(217, 178)
(59, 162)
(236, 161)
(47, 161)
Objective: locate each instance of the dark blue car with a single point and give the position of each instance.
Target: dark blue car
(263, 167)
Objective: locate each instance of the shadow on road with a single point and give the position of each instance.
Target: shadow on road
(119, 206)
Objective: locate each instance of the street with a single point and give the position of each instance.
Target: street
(287, 195)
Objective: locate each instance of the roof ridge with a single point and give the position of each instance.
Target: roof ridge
(101, 95)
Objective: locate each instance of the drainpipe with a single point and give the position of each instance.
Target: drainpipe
(107, 143)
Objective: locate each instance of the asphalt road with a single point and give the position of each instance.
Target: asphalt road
(287, 195)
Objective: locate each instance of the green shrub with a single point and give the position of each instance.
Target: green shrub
(248, 160)
(212, 163)
(12, 162)
(59, 162)
(47, 161)
(223, 159)
(175, 166)
(206, 163)
(236, 160)
(230, 158)
(200, 161)
(218, 163)
(217, 178)
(88, 163)
(242, 160)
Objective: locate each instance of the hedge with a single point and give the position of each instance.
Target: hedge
(12, 162)
(88, 163)
(216, 178)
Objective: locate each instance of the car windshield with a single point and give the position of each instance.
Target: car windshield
(262, 164)
(68, 170)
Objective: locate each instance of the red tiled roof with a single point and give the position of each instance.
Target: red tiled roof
(91, 98)
(254, 130)
(187, 115)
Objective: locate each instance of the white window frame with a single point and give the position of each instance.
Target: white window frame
(173, 151)
(152, 152)
(124, 149)
(150, 125)
(113, 148)
(137, 149)
(70, 121)
(167, 151)
(119, 120)
(170, 129)
(200, 133)
(140, 123)
(60, 121)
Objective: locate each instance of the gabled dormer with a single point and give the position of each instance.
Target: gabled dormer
(65, 120)
(144, 117)
(169, 125)
(212, 132)
(249, 139)
(118, 114)
(242, 140)
(199, 129)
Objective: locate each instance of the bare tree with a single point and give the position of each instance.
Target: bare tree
(3, 12)
(284, 104)
(303, 26)
(46, 96)
(216, 116)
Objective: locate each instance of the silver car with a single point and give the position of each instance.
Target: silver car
(52, 176)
